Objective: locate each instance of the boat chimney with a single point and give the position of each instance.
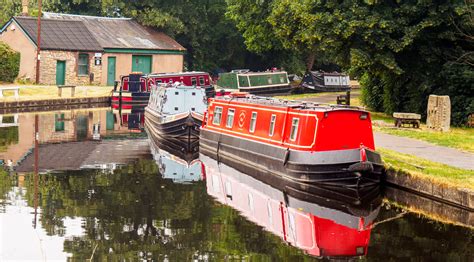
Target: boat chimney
(24, 5)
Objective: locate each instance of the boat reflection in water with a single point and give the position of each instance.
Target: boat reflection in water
(177, 159)
(332, 223)
(133, 119)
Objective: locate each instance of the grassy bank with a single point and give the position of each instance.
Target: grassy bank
(432, 171)
(51, 92)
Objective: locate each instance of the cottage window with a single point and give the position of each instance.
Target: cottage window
(272, 125)
(217, 116)
(253, 122)
(294, 128)
(230, 118)
(193, 81)
(201, 80)
(83, 65)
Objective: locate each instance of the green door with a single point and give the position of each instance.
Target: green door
(60, 72)
(111, 71)
(141, 63)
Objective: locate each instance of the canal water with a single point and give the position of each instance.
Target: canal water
(106, 192)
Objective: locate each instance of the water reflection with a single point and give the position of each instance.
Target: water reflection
(133, 119)
(165, 206)
(320, 224)
(178, 160)
(67, 127)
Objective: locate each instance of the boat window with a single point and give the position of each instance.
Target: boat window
(282, 79)
(228, 190)
(272, 125)
(217, 115)
(176, 109)
(193, 81)
(201, 80)
(270, 213)
(253, 122)
(270, 80)
(294, 128)
(159, 81)
(230, 118)
(176, 93)
(250, 202)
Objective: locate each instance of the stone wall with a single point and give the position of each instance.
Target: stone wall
(48, 68)
(439, 113)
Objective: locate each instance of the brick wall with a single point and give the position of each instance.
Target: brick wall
(48, 68)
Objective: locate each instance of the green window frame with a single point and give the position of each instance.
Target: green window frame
(83, 65)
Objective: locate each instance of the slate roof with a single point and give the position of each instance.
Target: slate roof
(60, 34)
(121, 32)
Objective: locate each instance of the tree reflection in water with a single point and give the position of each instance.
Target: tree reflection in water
(133, 213)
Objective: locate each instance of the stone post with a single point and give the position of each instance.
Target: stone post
(439, 113)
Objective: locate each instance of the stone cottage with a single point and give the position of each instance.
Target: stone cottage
(83, 50)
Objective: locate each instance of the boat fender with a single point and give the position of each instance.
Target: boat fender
(287, 157)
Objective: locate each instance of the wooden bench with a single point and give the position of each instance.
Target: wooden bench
(16, 89)
(407, 119)
(344, 99)
(60, 90)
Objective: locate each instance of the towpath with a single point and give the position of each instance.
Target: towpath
(435, 153)
(418, 148)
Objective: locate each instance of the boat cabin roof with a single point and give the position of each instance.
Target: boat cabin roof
(245, 98)
(177, 74)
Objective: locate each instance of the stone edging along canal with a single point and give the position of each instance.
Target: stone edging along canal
(51, 104)
(460, 197)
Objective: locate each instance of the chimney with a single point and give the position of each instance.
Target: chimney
(24, 4)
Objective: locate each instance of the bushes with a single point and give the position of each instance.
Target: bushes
(9, 63)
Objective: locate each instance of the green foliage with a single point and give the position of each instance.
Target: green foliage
(10, 63)
(401, 51)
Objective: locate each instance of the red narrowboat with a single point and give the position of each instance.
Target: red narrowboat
(135, 88)
(305, 143)
(321, 226)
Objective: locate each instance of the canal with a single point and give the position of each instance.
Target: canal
(106, 192)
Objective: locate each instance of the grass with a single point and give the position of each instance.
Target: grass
(435, 172)
(51, 92)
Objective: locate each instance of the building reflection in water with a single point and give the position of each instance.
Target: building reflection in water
(323, 225)
(17, 131)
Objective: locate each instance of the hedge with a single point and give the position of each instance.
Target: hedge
(9, 63)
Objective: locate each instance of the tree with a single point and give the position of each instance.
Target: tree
(401, 51)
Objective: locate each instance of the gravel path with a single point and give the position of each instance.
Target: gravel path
(435, 153)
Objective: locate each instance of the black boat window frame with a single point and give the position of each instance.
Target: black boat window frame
(271, 129)
(201, 80)
(193, 81)
(227, 119)
(295, 122)
(253, 122)
(214, 122)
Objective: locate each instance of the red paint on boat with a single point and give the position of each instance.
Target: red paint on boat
(318, 127)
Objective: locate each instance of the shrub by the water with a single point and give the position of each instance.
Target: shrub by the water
(9, 63)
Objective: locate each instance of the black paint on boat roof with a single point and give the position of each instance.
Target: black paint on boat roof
(269, 101)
